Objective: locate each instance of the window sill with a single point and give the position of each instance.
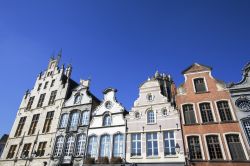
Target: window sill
(209, 123)
(153, 157)
(202, 92)
(191, 124)
(136, 157)
(171, 156)
(231, 121)
(151, 123)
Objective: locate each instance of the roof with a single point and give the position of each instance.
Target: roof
(195, 67)
(109, 90)
(4, 138)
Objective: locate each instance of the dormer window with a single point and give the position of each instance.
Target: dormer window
(107, 120)
(200, 86)
(78, 99)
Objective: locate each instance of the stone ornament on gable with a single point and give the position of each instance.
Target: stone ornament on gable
(243, 103)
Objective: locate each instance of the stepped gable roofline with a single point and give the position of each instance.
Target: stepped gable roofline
(158, 76)
(196, 67)
(109, 90)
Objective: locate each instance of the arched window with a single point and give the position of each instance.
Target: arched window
(64, 120)
(118, 145)
(77, 99)
(59, 146)
(69, 146)
(105, 146)
(106, 120)
(81, 140)
(74, 119)
(92, 147)
(151, 116)
(85, 118)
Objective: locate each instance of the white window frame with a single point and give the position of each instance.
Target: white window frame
(137, 140)
(110, 146)
(80, 149)
(230, 106)
(85, 115)
(195, 113)
(94, 155)
(59, 151)
(65, 122)
(71, 146)
(204, 78)
(154, 116)
(120, 151)
(76, 122)
(169, 142)
(201, 143)
(153, 145)
(212, 110)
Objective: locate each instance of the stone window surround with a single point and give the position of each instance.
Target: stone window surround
(212, 110)
(195, 113)
(204, 78)
(201, 143)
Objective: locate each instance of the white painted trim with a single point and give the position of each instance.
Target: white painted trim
(241, 141)
(230, 106)
(182, 114)
(201, 143)
(155, 115)
(197, 72)
(212, 109)
(204, 78)
(221, 145)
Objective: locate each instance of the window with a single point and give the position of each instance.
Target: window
(48, 121)
(189, 115)
(92, 146)
(106, 120)
(136, 144)
(40, 101)
(108, 105)
(29, 105)
(199, 85)
(224, 111)
(194, 147)
(77, 99)
(26, 150)
(52, 97)
(214, 148)
(64, 120)
(59, 146)
(246, 126)
(151, 116)
(235, 147)
(33, 124)
(118, 145)
(41, 149)
(137, 115)
(152, 144)
(169, 143)
(149, 97)
(69, 146)
(164, 112)
(105, 146)
(39, 87)
(20, 126)
(45, 85)
(52, 83)
(81, 141)
(85, 118)
(206, 112)
(11, 152)
(74, 120)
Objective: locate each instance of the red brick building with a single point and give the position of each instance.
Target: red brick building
(211, 132)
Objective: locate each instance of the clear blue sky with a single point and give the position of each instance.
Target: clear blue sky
(118, 43)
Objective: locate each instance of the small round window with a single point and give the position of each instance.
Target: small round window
(137, 115)
(108, 104)
(150, 97)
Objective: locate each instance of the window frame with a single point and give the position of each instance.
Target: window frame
(183, 115)
(154, 113)
(106, 115)
(120, 144)
(80, 150)
(205, 83)
(94, 146)
(105, 146)
(169, 141)
(152, 145)
(220, 143)
(212, 111)
(201, 146)
(58, 150)
(230, 107)
(136, 148)
(33, 124)
(62, 121)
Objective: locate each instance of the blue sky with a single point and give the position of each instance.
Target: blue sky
(118, 43)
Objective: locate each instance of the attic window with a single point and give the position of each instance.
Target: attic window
(78, 99)
(150, 97)
(200, 86)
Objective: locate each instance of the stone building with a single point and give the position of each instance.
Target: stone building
(71, 137)
(240, 93)
(31, 138)
(211, 131)
(107, 128)
(3, 141)
(153, 125)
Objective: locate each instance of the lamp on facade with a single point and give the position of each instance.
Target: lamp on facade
(177, 148)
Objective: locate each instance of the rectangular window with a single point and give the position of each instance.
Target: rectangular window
(152, 144)
(189, 115)
(45, 85)
(169, 143)
(52, 83)
(206, 112)
(26, 150)
(33, 124)
(52, 97)
(48, 121)
(235, 147)
(11, 152)
(29, 105)
(20, 126)
(246, 126)
(199, 85)
(194, 148)
(40, 101)
(39, 87)
(41, 149)
(136, 144)
(224, 111)
(214, 148)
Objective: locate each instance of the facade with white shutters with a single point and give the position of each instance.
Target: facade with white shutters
(153, 125)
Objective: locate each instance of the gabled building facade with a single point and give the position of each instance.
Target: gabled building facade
(72, 130)
(106, 135)
(3, 141)
(31, 138)
(211, 131)
(154, 134)
(240, 93)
